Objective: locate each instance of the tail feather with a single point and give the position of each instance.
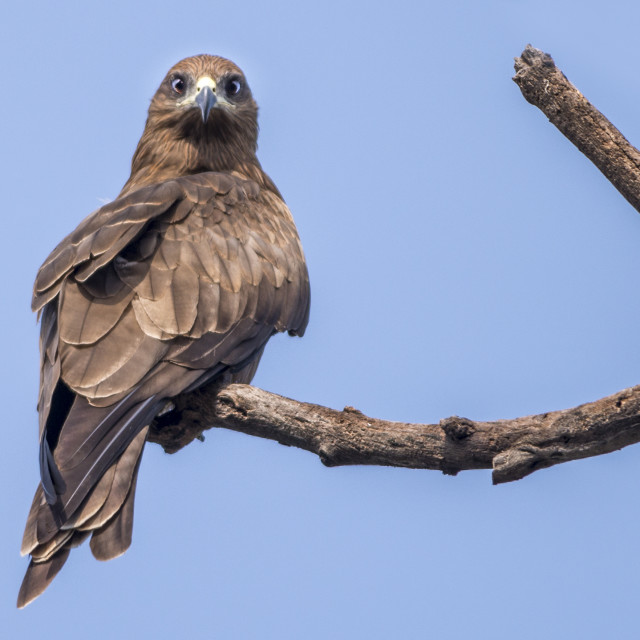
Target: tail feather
(78, 538)
(114, 538)
(47, 523)
(30, 537)
(87, 471)
(46, 550)
(126, 470)
(94, 501)
(39, 576)
(106, 512)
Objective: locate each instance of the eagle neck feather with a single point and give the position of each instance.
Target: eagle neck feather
(166, 152)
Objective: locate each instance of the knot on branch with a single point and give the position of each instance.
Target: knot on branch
(226, 405)
(457, 428)
(327, 454)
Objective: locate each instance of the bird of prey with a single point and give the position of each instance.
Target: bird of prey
(179, 282)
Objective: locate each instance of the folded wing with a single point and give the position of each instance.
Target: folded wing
(153, 294)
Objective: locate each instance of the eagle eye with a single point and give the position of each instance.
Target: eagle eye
(178, 85)
(233, 87)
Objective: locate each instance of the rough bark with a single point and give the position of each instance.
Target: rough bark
(546, 87)
(512, 448)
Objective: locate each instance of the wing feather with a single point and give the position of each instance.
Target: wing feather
(101, 236)
(208, 305)
(92, 317)
(174, 312)
(85, 367)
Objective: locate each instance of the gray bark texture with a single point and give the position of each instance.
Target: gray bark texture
(546, 87)
(511, 448)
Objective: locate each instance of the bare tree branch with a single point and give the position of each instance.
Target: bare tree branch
(512, 448)
(546, 87)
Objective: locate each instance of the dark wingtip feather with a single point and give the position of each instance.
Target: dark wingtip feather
(39, 576)
(52, 481)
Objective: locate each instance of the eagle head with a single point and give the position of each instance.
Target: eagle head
(202, 118)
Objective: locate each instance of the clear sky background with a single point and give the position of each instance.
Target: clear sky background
(465, 259)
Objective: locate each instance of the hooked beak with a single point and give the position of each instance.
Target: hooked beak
(206, 100)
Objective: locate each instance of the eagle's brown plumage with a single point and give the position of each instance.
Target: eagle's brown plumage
(181, 280)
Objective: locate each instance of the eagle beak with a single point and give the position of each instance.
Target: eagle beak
(206, 100)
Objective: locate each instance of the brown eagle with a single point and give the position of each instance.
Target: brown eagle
(180, 281)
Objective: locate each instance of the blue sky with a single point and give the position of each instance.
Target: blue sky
(465, 259)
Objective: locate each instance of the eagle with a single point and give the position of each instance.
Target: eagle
(177, 283)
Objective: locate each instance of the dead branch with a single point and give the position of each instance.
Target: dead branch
(512, 448)
(546, 87)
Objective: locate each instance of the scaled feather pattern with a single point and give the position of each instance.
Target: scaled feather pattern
(179, 282)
